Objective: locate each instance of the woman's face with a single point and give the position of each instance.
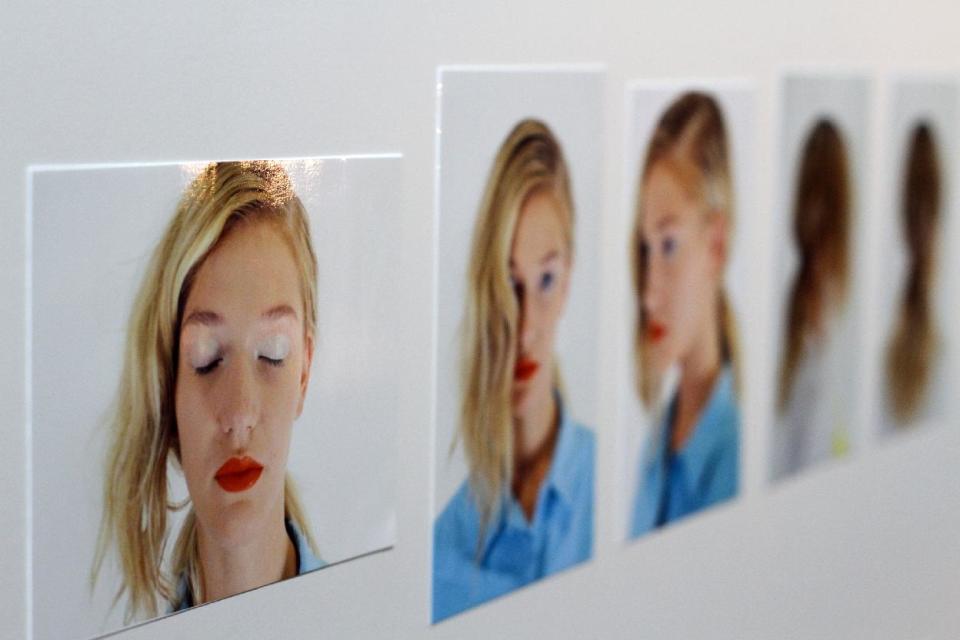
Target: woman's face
(540, 273)
(684, 249)
(241, 379)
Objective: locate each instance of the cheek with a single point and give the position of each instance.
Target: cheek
(280, 398)
(192, 427)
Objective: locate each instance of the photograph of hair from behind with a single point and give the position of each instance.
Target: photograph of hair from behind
(220, 341)
(522, 509)
(916, 363)
(687, 365)
(818, 294)
(913, 346)
(820, 318)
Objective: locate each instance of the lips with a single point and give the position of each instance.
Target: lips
(656, 332)
(238, 474)
(525, 369)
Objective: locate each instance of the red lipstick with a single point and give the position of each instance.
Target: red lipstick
(656, 332)
(525, 369)
(238, 474)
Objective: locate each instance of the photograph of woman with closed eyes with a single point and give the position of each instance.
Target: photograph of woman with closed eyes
(680, 247)
(222, 351)
(525, 510)
(215, 373)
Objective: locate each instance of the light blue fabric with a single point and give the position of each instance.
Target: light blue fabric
(307, 561)
(516, 552)
(704, 472)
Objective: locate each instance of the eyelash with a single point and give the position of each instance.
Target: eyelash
(208, 368)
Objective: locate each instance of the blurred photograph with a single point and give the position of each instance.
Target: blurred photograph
(523, 507)
(918, 336)
(819, 369)
(687, 363)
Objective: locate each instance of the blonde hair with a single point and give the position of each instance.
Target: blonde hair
(529, 161)
(692, 136)
(821, 227)
(143, 429)
(915, 336)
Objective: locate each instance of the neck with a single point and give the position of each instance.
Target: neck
(699, 373)
(228, 569)
(535, 436)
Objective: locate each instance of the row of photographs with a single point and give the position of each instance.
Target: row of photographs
(220, 336)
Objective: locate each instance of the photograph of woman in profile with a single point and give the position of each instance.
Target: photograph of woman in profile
(215, 371)
(812, 421)
(680, 246)
(913, 348)
(526, 508)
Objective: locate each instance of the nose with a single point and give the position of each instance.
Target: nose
(528, 324)
(239, 408)
(652, 288)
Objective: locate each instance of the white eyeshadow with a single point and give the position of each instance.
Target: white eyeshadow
(275, 347)
(203, 351)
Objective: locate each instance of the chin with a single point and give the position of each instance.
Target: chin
(237, 523)
(661, 359)
(521, 400)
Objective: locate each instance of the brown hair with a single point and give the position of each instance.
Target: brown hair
(529, 161)
(821, 230)
(914, 338)
(692, 135)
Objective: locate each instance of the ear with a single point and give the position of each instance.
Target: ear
(305, 372)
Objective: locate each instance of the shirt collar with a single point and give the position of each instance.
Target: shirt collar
(307, 560)
(710, 433)
(560, 481)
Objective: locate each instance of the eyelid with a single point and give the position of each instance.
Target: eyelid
(275, 347)
(204, 351)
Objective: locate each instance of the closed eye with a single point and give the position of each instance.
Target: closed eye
(273, 362)
(207, 368)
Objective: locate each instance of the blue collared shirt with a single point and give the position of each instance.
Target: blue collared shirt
(515, 551)
(704, 472)
(307, 561)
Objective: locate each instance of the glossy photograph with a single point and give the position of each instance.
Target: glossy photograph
(917, 376)
(519, 205)
(820, 237)
(212, 408)
(690, 224)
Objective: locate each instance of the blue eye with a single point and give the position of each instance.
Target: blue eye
(207, 368)
(546, 281)
(668, 246)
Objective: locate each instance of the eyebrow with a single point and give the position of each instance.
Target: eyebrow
(206, 318)
(279, 311)
(213, 319)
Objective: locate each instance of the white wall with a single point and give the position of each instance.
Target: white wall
(864, 548)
